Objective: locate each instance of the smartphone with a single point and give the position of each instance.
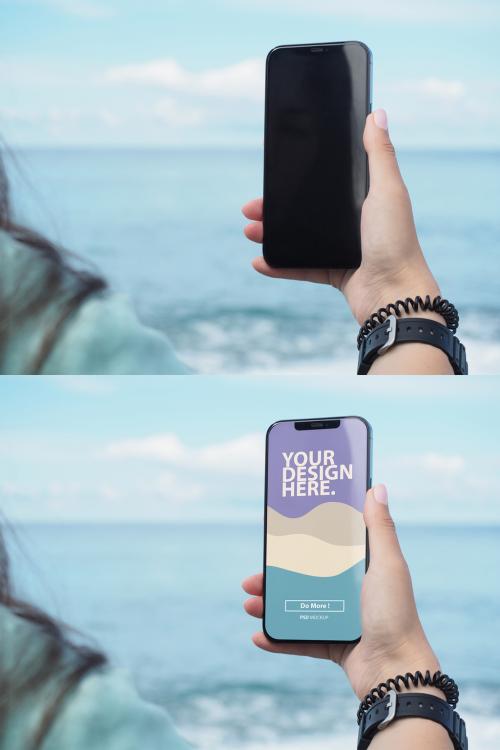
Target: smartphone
(315, 539)
(315, 165)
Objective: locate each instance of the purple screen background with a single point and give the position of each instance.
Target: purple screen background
(350, 443)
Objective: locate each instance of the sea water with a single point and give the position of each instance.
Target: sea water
(165, 228)
(164, 601)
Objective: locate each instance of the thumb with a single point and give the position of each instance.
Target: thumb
(382, 535)
(382, 160)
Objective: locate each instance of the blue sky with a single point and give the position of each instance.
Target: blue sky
(171, 72)
(192, 449)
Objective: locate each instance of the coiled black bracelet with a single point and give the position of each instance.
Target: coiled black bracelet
(437, 305)
(448, 686)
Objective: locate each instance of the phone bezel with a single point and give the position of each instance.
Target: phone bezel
(368, 485)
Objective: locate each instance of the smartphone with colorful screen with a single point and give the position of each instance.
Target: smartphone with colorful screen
(315, 165)
(315, 539)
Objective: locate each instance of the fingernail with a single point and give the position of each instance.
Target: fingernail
(380, 117)
(380, 494)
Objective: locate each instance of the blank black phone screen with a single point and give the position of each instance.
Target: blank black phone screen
(315, 166)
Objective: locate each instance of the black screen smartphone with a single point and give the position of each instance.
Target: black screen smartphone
(315, 541)
(315, 165)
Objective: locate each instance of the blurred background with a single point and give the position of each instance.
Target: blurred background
(135, 135)
(133, 509)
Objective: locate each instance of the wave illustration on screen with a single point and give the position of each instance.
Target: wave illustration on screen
(326, 541)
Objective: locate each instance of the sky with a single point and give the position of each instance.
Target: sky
(192, 449)
(190, 73)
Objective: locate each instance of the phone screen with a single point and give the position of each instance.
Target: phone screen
(315, 167)
(315, 536)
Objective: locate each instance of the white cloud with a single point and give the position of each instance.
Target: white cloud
(15, 490)
(174, 114)
(58, 488)
(173, 489)
(445, 486)
(442, 89)
(446, 112)
(244, 454)
(444, 463)
(65, 117)
(88, 384)
(242, 80)
(53, 498)
(109, 493)
(432, 469)
(165, 447)
(161, 496)
(433, 88)
(162, 102)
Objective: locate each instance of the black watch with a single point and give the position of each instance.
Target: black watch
(421, 705)
(422, 330)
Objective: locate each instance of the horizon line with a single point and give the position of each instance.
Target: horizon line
(439, 523)
(5, 148)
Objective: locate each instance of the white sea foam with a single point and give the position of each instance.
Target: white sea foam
(483, 733)
(221, 346)
(341, 742)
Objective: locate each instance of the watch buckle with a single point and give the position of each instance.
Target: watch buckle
(391, 335)
(391, 709)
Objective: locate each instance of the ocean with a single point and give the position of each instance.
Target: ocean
(165, 227)
(164, 601)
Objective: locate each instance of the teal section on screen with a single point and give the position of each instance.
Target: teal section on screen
(301, 607)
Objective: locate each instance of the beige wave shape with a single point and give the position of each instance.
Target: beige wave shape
(336, 523)
(305, 554)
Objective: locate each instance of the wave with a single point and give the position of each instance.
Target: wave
(280, 342)
(256, 716)
(307, 555)
(333, 522)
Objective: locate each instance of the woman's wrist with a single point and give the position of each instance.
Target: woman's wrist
(411, 282)
(417, 656)
(411, 288)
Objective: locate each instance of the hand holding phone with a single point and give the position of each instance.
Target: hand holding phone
(393, 640)
(393, 264)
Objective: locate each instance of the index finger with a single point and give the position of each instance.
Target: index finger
(253, 210)
(253, 584)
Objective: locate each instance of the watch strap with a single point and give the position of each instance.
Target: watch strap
(418, 705)
(411, 330)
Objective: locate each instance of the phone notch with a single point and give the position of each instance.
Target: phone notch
(318, 424)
